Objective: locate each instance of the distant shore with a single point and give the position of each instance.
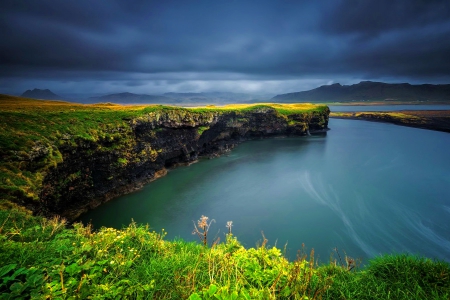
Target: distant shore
(438, 120)
(374, 103)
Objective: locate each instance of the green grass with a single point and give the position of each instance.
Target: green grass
(44, 259)
(401, 117)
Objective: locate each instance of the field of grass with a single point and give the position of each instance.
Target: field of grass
(44, 259)
(32, 132)
(397, 115)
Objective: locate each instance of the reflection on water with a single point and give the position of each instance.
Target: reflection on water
(366, 188)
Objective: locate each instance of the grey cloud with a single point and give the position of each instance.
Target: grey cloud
(375, 17)
(163, 43)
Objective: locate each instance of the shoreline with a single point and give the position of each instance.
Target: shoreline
(437, 120)
(382, 103)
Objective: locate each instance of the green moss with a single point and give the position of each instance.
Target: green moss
(122, 161)
(202, 129)
(294, 122)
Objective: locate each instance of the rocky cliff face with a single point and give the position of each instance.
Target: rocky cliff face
(94, 172)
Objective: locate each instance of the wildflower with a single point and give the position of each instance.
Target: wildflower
(229, 224)
(203, 222)
(204, 225)
(112, 262)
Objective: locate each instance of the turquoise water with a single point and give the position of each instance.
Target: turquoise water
(366, 188)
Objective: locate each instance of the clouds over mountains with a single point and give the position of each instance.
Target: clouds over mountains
(157, 46)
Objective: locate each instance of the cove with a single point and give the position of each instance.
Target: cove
(366, 188)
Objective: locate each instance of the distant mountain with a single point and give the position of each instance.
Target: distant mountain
(41, 94)
(130, 98)
(372, 91)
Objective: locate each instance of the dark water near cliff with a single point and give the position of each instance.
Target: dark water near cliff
(366, 188)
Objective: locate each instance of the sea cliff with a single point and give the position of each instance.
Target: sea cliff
(70, 158)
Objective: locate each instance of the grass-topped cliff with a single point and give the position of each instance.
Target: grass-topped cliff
(62, 158)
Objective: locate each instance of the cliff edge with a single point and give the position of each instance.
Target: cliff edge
(63, 158)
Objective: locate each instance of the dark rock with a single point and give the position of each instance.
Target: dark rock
(94, 172)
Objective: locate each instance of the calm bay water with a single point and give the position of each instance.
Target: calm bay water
(366, 188)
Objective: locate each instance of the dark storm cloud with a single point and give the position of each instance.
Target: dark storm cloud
(131, 43)
(369, 18)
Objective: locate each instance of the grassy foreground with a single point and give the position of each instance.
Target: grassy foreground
(44, 259)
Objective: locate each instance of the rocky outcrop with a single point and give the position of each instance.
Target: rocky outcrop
(92, 173)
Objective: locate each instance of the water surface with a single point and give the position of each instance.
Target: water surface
(367, 188)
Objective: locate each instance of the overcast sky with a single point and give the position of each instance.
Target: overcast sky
(98, 47)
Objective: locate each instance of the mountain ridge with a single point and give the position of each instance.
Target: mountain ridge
(41, 94)
(370, 91)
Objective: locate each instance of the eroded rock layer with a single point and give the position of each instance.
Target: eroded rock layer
(92, 173)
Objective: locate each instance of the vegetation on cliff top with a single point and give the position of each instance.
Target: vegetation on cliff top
(43, 259)
(428, 119)
(32, 133)
(380, 115)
